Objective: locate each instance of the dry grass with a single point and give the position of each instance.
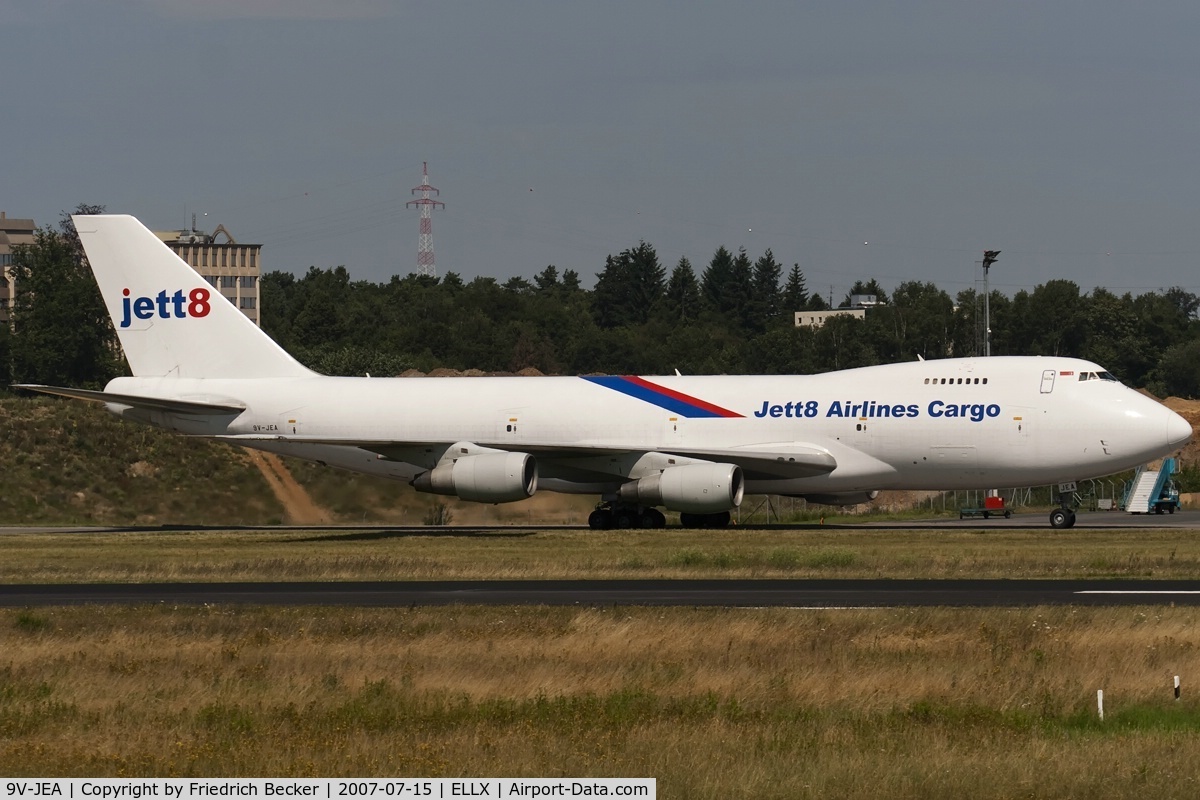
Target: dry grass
(71, 463)
(714, 703)
(475, 554)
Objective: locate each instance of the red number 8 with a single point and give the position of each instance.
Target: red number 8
(198, 307)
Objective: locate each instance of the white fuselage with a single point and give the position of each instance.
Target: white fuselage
(954, 423)
(688, 444)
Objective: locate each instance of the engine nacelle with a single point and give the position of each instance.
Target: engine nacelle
(485, 478)
(840, 498)
(695, 488)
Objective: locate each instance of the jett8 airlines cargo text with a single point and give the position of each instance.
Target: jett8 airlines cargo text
(692, 444)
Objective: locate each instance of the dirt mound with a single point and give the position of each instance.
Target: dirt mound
(1189, 410)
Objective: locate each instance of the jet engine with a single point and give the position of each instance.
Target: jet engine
(840, 498)
(485, 478)
(695, 488)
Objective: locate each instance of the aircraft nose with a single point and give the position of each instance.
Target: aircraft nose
(1179, 430)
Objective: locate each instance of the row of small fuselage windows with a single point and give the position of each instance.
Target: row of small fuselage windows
(952, 381)
(1083, 376)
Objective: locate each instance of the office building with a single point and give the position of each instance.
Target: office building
(232, 267)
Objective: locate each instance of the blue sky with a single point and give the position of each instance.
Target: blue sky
(861, 140)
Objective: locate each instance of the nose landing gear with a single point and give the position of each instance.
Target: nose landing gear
(1062, 518)
(1064, 515)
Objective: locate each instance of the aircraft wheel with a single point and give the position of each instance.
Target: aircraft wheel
(720, 520)
(600, 520)
(653, 518)
(625, 519)
(1059, 518)
(1071, 519)
(690, 520)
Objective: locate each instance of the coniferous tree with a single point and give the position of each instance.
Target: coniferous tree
(629, 288)
(716, 279)
(649, 280)
(547, 279)
(817, 303)
(682, 299)
(518, 285)
(741, 291)
(570, 281)
(765, 294)
(795, 293)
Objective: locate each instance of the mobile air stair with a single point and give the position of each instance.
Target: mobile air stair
(1153, 490)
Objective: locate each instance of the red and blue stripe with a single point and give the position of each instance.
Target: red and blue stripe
(682, 404)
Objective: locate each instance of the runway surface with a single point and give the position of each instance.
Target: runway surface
(727, 593)
(1024, 520)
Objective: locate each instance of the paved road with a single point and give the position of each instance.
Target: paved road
(1040, 519)
(1024, 520)
(731, 593)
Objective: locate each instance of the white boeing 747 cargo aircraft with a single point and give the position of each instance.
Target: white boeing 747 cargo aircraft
(689, 444)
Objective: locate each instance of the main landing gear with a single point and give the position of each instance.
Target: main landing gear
(718, 520)
(608, 516)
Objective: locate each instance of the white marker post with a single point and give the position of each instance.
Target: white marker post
(1176, 687)
(1100, 703)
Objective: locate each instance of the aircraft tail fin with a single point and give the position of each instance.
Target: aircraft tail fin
(172, 322)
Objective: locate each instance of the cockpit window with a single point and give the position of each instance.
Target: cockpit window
(1098, 376)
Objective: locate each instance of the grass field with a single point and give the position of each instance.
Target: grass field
(715, 703)
(465, 553)
(71, 463)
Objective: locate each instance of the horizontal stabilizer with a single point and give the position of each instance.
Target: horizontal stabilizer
(135, 401)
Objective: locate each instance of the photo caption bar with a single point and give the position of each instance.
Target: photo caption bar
(322, 788)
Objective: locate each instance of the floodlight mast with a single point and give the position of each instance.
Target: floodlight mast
(989, 258)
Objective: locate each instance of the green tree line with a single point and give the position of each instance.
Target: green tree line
(734, 315)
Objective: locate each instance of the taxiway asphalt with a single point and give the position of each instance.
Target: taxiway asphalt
(822, 593)
(1025, 520)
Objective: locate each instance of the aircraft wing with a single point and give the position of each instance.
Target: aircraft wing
(136, 401)
(759, 461)
(767, 461)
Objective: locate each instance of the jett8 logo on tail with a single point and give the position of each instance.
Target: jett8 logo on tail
(165, 306)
